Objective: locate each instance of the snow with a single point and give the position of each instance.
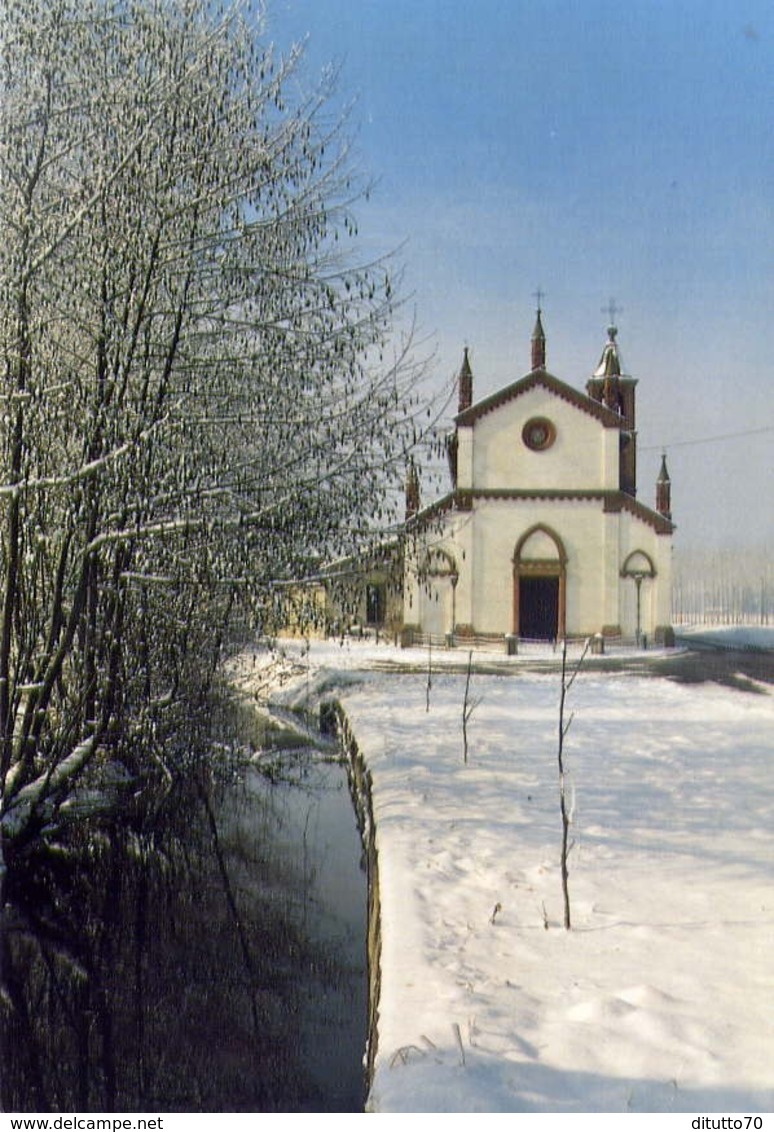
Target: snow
(659, 997)
(730, 636)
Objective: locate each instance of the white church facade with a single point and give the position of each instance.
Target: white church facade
(542, 534)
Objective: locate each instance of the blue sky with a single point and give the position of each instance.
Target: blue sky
(596, 150)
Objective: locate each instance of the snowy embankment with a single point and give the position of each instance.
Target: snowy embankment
(745, 637)
(660, 997)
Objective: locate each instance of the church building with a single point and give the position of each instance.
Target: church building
(542, 534)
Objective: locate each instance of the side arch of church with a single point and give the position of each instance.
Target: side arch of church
(644, 581)
(638, 562)
(438, 577)
(638, 594)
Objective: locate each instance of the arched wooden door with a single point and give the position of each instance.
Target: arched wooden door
(540, 585)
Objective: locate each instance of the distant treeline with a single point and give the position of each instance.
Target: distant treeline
(726, 587)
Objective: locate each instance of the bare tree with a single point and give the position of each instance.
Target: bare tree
(468, 707)
(564, 727)
(196, 388)
(429, 680)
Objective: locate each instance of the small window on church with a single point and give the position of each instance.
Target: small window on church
(538, 434)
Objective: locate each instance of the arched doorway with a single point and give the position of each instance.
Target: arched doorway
(539, 585)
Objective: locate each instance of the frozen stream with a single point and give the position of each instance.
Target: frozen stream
(321, 886)
(212, 961)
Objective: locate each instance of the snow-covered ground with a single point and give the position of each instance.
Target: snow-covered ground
(661, 996)
(729, 636)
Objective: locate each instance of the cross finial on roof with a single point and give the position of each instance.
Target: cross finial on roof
(539, 296)
(611, 310)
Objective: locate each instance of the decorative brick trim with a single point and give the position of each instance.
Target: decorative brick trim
(612, 503)
(546, 380)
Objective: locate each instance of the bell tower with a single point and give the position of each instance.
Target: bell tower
(616, 390)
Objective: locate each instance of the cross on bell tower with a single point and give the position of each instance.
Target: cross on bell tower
(611, 310)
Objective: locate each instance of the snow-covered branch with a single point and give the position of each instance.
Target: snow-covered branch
(200, 389)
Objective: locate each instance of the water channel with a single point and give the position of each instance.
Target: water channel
(212, 961)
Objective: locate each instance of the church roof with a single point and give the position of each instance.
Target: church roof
(546, 380)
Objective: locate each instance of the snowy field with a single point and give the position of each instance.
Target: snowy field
(661, 996)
